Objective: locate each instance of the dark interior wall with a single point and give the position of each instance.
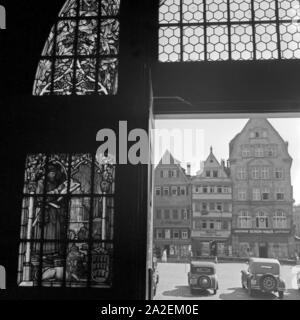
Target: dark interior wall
(70, 124)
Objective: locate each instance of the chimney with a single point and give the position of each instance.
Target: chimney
(188, 169)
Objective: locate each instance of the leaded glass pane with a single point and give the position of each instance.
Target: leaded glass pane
(169, 44)
(264, 9)
(69, 9)
(85, 76)
(79, 218)
(193, 42)
(103, 218)
(63, 76)
(87, 37)
(65, 38)
(81, 174)
(170, 11)
(48, 48)
(104, 178)
(110, 7)
(42, 84)
(101, 266)
(290, 41)
(108, 76)
(109, 44)
(217, 43)
(88, 8)
(216, 10)
(266, 41)
(240, 10)
(192, 11)
(241, 42)
(289, 9)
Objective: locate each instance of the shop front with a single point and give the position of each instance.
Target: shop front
(263, 243)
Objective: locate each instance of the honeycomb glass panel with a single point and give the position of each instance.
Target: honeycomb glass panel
(216, 10)
(169, 11)
(264, 9)
(241, 42)
(266, 41)
(217, 43)
(192, 11)
(240, 10)
(290, 41)
(289, 9)
(169, 44)
(193, 44)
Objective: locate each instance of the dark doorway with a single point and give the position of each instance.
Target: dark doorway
(263, 251)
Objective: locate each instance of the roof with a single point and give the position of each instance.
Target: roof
(203, 264)
(263, 260)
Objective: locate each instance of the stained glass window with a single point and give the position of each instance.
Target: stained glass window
(80, 56)
(220, 30)
(66, 237)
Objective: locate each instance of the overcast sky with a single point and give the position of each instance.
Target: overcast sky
(219, 132)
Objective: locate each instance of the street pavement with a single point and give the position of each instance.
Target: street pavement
(173, 283)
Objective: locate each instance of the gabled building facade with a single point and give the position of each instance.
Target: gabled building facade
(212, 208)
(172, 210)
(260, 167)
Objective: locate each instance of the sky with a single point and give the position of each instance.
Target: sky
(217, 133)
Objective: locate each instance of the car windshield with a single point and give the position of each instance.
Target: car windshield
(202, 270)
(265, 268)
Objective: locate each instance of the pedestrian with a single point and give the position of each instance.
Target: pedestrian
(164, 256)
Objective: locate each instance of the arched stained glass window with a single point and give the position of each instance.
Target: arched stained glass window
(80, 56)
(66, 237)
(218, 30)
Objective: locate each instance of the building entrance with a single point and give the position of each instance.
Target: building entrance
(263, 250)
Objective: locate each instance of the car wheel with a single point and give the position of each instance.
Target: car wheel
(268, 283)
(281, 295)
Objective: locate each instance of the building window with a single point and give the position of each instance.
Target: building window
(255, 173)
(212, 206)
(218, 225)
(174, 191)
(212, 30)
(67, 218)
(182, 191)
(204, 189)
(166, 173)
(280, 194)
(158, 214)
(167, 234)
(211, 225)
(244, 219)
(175, 214)
(207, 173)
(259, 152)
(219, 189)
(278, 173)
(225, 225)
(166, 191)
(256, 194)
(266, 194)
(219, 206)
(80, 56)
(204, 206)
(245, 152)
(161, 173)
(159, 234)
(184, 214)
(184, 235)
(279, 220)
(241, 194)
(261, 220)
(211, 189)
(265, 173)
(176, 234)
(204, 224)
(215, 174)
(157, 191)
(241, 173)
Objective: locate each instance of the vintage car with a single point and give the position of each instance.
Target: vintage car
(264, 275)
(202, 276)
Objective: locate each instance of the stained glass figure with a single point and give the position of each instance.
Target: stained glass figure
(80, 55)
(67, 221)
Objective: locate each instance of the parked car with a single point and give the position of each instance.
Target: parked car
(298, 280)
(263, 275)
(202, 276)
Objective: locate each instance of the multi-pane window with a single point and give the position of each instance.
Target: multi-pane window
(244, 219)
(261, 220)
(176, 234)
(159, 234)
(166, 191)
(256, 194)
(279, 219)
(158, 191)
(167, 234)
(241, 173)
(175, 214)
(184, 235)
(242, 194)
(174, 190)
(212, 30)
(182, 190)
(167, 214)
(280, 194)
(278, 173)
(259, 152)
(246, 152)
(265, 194)
(66, 237)
(265, 173)
(80, 56)
(255, 173)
